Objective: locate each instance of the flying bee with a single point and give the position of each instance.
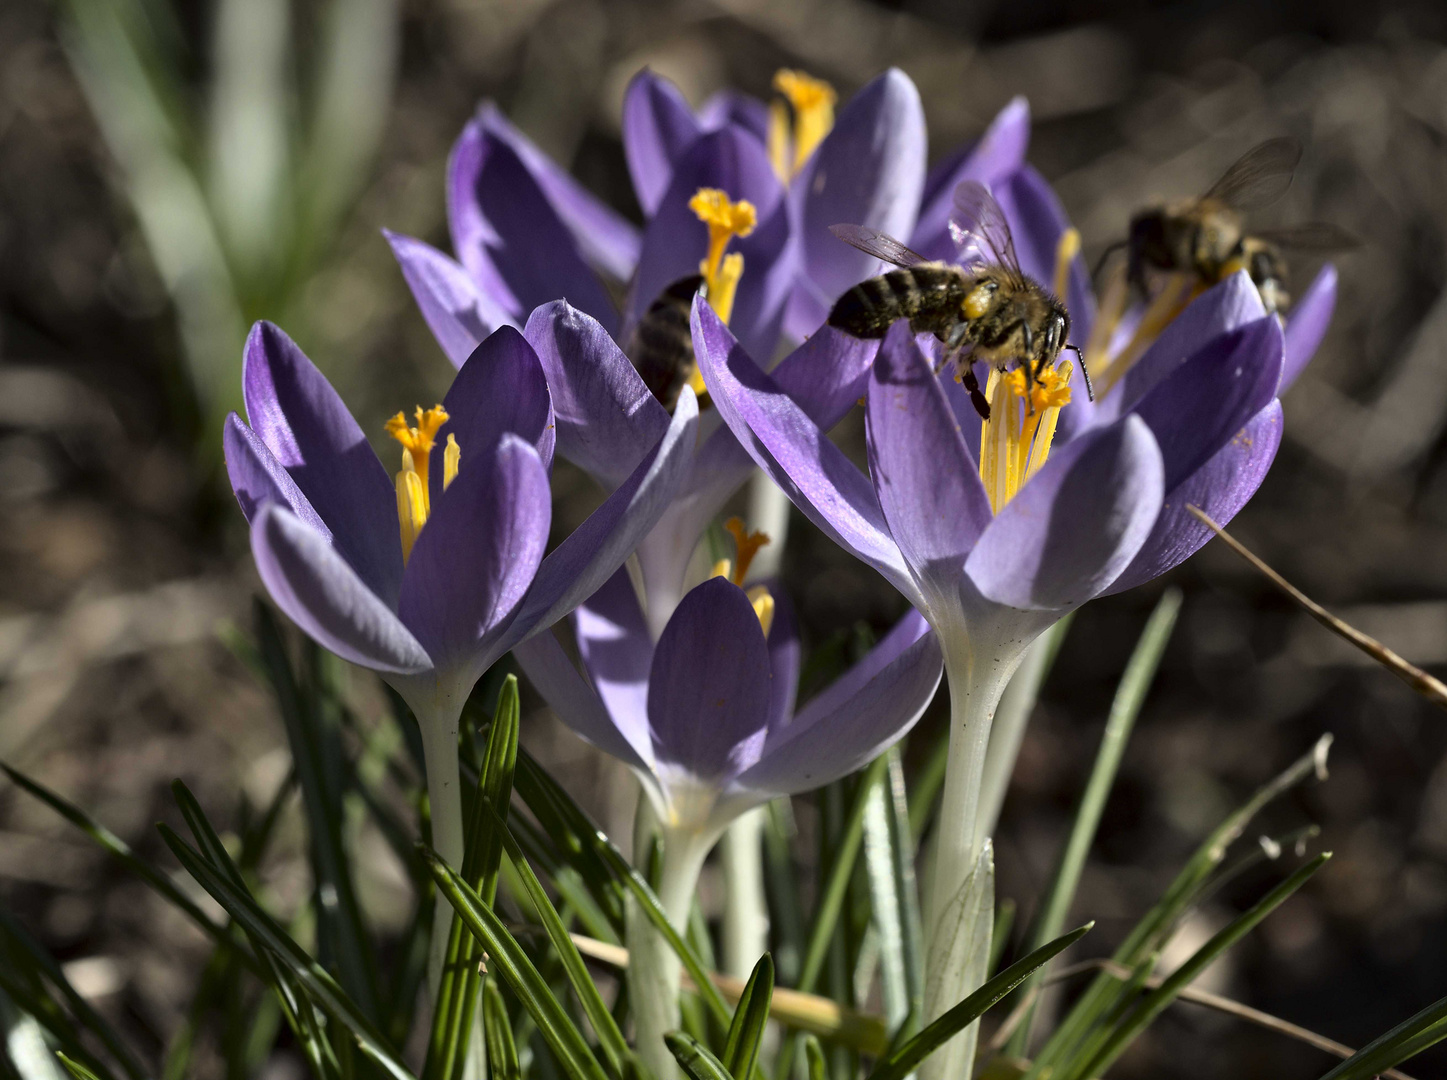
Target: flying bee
(661, 344)
(985, 303)
(1207, 235)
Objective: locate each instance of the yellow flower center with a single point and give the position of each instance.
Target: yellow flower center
(414, 503)
(746, 546)
(1015, 441)
(811, 102)
(725, 220)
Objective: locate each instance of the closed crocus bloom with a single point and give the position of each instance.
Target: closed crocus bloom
(704, 715)
(431, 573)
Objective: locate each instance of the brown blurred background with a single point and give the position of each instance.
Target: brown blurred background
(122, 555)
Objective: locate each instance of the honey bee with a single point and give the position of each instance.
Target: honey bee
(984, 304)
(661, 344)
(1207, 235)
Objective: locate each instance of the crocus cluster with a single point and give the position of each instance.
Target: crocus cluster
(993, 530)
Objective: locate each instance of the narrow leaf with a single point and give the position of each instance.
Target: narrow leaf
(502, 1052)
(1408, 1038)
(746, 1033)
(695, 1058)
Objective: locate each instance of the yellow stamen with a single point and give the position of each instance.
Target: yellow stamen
(779, 141)
(746, 545)
(1165, 307)
(1015, 441)
(451, 460)
(763, 602)
(414, 504)
(1112, 308)
(812, 101)
(725, 220)
(724, 568)
(1065, 251)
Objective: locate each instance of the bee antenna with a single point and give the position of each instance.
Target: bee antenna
(1089, 390)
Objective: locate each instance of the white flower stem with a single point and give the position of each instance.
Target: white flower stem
(976, 684)
(768, 513)
(746, 911)
(444, 798)
(653, 967)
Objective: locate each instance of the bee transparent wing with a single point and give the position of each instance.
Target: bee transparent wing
(1318, 236)
(880, 245)
(980, 230)
(1259, 177)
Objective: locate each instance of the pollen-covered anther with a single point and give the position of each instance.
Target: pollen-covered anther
(414, 503)
(746, 545)
(1015, 441)
(725, 220)
(812, 102)
(763, 602)
(1066, 249)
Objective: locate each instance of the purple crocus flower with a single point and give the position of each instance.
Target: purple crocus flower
(705, 718)
(430, 579)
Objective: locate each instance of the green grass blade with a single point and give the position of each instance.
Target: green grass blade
(122, 852)
(1130, 695)
(307, 973)
(908, 1057)
(1408, 1038)
(40, 1012)
(815, 1063)
(1151, 1005)
(615, 1047)
(781, 886)
(502, 1052)
(75, 1068)
(894, 904)
(746, 1033)
(506, 957)
(695, 1058)
(841, 871)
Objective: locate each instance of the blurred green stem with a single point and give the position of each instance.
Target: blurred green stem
(444, 797)
(653, 967)
(746, 913)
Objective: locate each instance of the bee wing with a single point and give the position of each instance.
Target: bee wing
(880, 245)
(1259, 177)
(1313, 236)
(979, 228)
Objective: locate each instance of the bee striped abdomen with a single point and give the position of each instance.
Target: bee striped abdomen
(661, 346)
(926, 295)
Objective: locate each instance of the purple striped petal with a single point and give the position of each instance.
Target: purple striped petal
(457, 314)
(617, 653)
(302, 421)
(568, 694)
(999, 153)
(825, 743)
(927, 482)
(257, 478)
(578, 567)
(500, 390)
(1306, 324)
(708, 689)
(607, 239)
(1076, 525)
(1204, 402)
(787, 445)
(730, 107)
(509, 237)
(1221, 487)
(785, 655)
(675, 240)
(658, 128)
(607, 418)
(477, 554)
(325, 597)
(869, 170)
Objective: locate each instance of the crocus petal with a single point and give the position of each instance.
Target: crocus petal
(741, 110)
(675, 240)
(617, 653)
(607, 418)
(708, 690)
(1306, 324)
(500, 389)
(787, 445)
(1221, 487)
(1076, 524)
(326, 598)
(257, 478)
(578, 567)
(1037, 222)
(1204, 402)
(822, 745)
(477, 554)
(785, 655)
(909, 629)
(658, 128)
(509, 237)
(457, 314)
(568, 694)
(607, 239)
(927, 482)
(304, 424)
(1224, 307)
(999, 153)
(869, 170)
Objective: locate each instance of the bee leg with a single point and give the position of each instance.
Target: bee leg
(977, 399)
(1029, 367)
